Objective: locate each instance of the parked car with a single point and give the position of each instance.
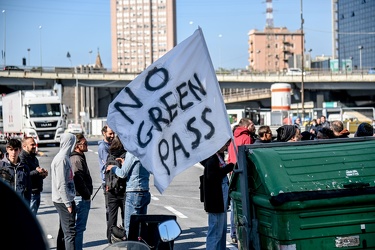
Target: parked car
(75, 128)
(11, 67)
(295, 72)
(371, 71)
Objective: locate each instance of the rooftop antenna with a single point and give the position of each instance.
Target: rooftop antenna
(269, 14)
(270, 36)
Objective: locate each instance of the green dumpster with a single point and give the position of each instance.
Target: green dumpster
(306, 195)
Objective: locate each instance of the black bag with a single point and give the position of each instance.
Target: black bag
(118, 234)
(113, 183)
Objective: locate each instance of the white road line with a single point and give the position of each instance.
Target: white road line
(181, 215)
(154, 198)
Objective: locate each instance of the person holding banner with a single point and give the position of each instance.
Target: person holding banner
(215, 196)
(137, 191)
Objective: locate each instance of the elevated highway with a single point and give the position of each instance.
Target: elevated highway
(327, 81)
(239, 91)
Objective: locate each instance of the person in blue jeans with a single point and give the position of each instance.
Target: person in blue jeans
(37, 173)
(215, 198)
(84, 188)
(137, 195)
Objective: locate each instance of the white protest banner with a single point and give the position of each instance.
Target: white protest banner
(172, 115)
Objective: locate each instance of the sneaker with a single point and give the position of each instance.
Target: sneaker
(234, 240)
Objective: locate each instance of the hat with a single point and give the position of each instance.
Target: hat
(286, 132)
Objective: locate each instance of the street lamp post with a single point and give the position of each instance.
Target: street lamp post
(302, 68)
(220, 66)
(28, 57)
(5, 39)
(310, 58)
(76, 104)
(360, 47)
(90, 52)
(40, 42)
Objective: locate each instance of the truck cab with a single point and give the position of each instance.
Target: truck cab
(35, 113)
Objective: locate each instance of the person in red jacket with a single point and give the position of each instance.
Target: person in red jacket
(243, 134)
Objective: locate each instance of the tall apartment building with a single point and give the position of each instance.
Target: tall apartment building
(354, 32)
(275, 49)
(142, 31)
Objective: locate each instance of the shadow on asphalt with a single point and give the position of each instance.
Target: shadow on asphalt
(196, 233)
(96, 243)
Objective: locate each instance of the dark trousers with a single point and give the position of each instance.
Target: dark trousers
(114, 203)
(106, 201)
(67, 230)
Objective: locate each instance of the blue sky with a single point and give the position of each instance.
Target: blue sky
(80, 26)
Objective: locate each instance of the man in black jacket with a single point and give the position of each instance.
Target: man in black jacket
(37, 174)
(83, 186)
(216, 193)
(14, 172)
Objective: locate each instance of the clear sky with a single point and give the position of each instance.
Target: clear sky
(51, 28)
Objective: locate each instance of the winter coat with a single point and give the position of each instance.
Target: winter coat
(212, 180)
(19, 177)
(82, 177)
(32, 162)
(242, 136)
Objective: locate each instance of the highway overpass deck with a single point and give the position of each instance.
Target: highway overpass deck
(327, 81)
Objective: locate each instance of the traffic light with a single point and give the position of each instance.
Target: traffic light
(24, 61)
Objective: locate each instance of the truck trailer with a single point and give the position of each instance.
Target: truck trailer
(34, 113)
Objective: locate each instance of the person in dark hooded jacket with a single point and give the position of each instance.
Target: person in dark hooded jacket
(215, 197)
(14, 172)
(115, 191)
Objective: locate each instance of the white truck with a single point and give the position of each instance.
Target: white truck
(36, 113)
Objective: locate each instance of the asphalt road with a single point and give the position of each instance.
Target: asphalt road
(181, 198)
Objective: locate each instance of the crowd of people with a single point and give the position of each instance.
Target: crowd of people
(125, 181)
(218, 169)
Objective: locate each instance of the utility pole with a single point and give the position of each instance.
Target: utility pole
(302, 66)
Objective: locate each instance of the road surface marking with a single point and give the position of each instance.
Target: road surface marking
(154, 198)
(181, 215)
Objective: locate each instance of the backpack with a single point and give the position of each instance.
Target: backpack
(113, 183)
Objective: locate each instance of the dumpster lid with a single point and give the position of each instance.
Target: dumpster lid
(293, 169)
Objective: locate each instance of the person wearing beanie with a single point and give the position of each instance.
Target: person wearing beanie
(288, 133)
